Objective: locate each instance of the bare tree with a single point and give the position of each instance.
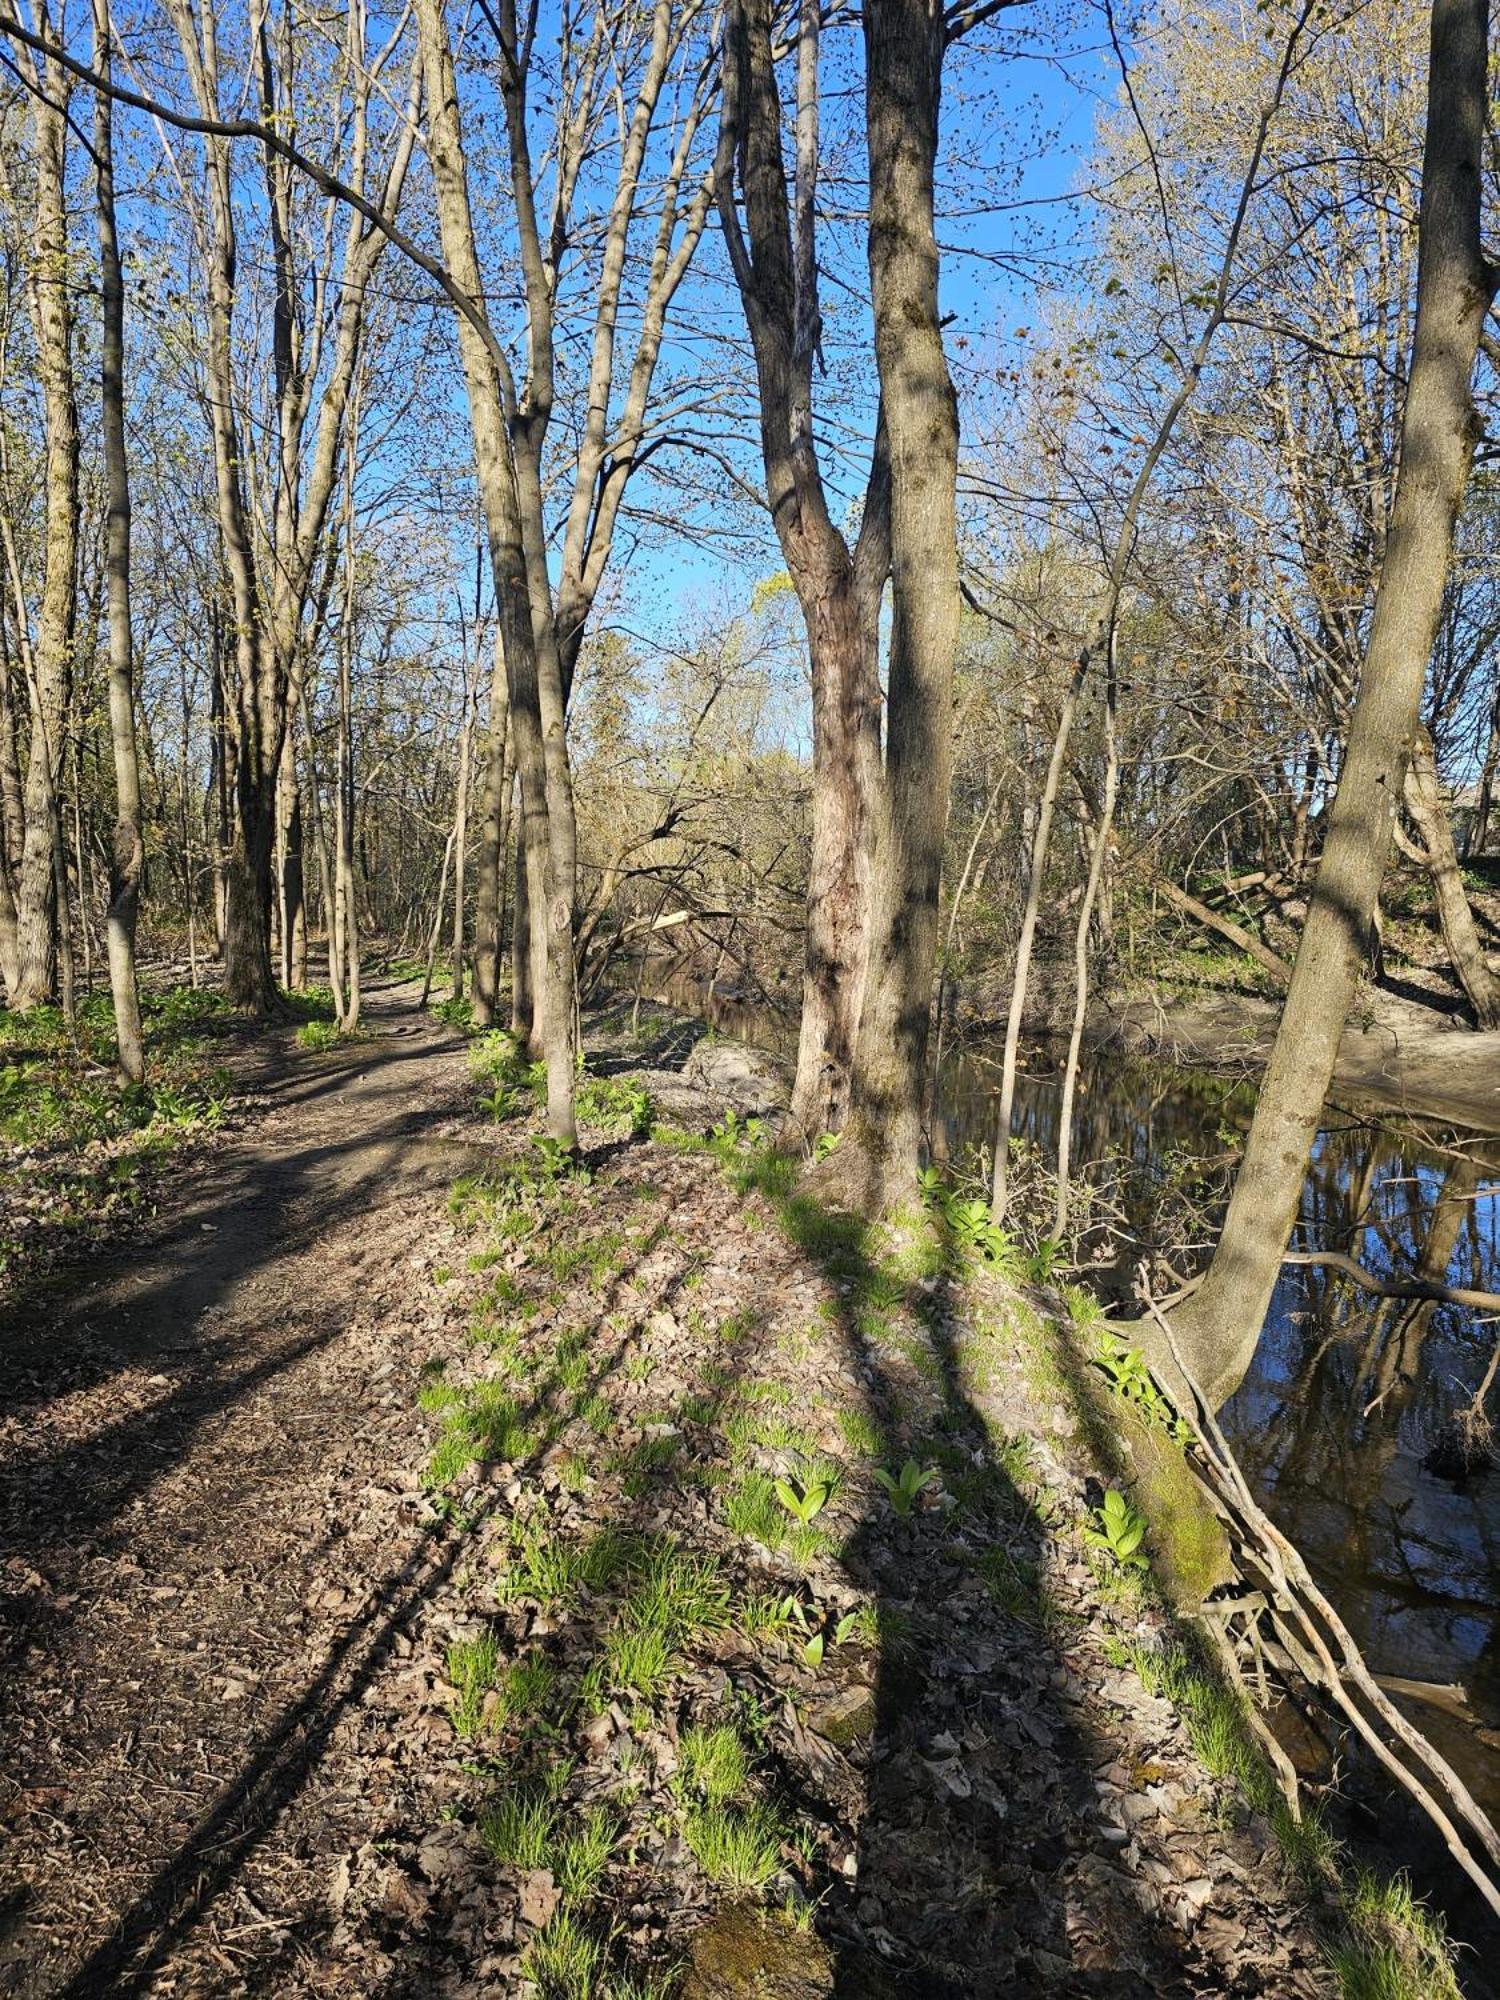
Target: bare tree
(1220, 1324)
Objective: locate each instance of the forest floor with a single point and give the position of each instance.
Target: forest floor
(430, 1573)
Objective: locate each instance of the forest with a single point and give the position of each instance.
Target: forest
(750, 946)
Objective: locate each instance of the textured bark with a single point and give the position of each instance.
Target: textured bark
(52, 655)
(1219, 1327)
(127, 852)
(494, 836)
(1429, 815)
(838, 589)
(903, 69)
(540, 745)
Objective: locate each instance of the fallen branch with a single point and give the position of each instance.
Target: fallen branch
(1317, 1639)
(1396, 1288)
(1226, 927)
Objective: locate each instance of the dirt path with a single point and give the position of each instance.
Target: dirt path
(191, 1468)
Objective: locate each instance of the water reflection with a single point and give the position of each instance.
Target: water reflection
(1346, 1398)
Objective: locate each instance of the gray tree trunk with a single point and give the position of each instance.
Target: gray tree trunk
(1219, 1326)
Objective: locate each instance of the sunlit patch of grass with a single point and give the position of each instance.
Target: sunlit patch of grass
(473, 1667)
(740, 1848)
(715, 1767)
(752, 1510)
(582, 1855)
(517, 1828)
(1396, 1949)
(550, 1568)
(480, 1423)
(861, 1433)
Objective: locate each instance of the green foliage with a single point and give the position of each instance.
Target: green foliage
(1121, 1530)
(318, 1035)
(617, 1104)
(905, 1488)
(805, 1501)
(556, 1162)
(454, 1012)
(1131, 1380)
(970, 1229)
(309, 1004)
(473, 1666)
(91, 1141)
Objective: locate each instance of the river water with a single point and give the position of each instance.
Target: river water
(1347, 1420)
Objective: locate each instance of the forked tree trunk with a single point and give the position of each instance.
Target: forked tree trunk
(127, 852)
(520, 573)
(838, 589)
(1219, 1326)
(876, 1164)
(1429, 815)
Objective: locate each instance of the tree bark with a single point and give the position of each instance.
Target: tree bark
(38, 903)
(1219, 1327)
(127, 850)
(535, 697)
(494, 835)
(880, 1152)
(1424, 802)
(838, 590)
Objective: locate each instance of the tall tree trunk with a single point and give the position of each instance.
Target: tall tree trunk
(1424, 802)
(494, 831)
(521, 585)
(842, 641)
(838, 589)
(127, 849)
(1219, 1326)
(524, 953)
(51, 293)
(293, 886)
(461, 843)
(877, 1162)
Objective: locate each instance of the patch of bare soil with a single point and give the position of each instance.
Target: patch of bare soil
(496, 1591)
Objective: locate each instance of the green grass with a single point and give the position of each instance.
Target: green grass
(566, 1962)
(473, 1668)
(1395, 1948)
(861, 1433)
(582, 1855)
(752, 1510)
(517, 1828)
(318, 1035)
(551, 1569)
(714, 1767)
(480, 1424)
(741, 1849)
